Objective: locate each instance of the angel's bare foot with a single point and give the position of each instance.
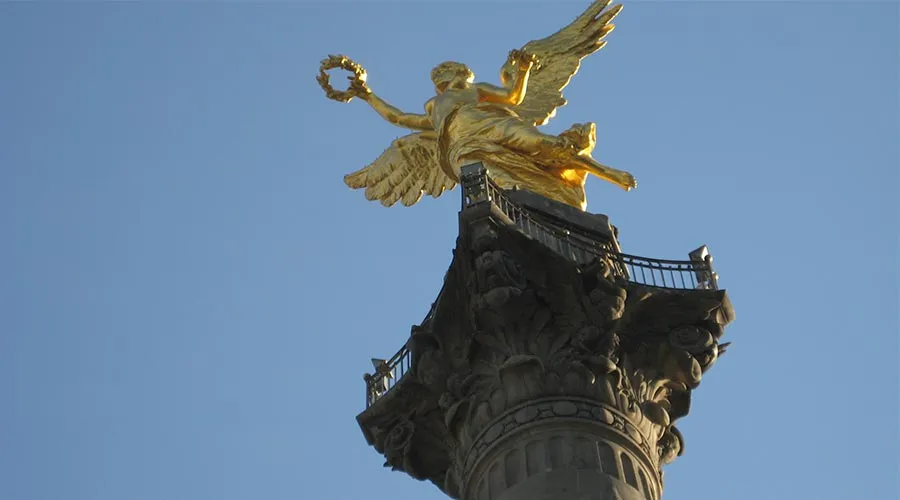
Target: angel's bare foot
(620, 178)
(626, 181)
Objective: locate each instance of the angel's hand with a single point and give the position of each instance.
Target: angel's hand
(522, 59)
(358, 88)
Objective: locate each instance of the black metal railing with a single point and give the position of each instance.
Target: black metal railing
(696, 273)
(683, 275)
(387, 374)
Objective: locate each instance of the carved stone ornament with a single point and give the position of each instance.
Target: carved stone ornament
(528, 354)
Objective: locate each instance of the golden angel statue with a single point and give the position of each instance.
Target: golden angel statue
(467, 122)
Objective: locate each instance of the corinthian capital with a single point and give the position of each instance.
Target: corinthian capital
(533, 362)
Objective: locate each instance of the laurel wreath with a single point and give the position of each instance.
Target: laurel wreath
(357, 80)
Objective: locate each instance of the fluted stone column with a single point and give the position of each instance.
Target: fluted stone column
(539, 375)
(560, 448)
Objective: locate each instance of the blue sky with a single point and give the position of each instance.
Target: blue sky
(191, 295)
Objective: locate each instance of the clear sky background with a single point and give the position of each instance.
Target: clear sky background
(190, 295)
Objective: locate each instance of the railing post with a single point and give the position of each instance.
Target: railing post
(368, 378)
(706, 277)
(713, 277)
(474, 181)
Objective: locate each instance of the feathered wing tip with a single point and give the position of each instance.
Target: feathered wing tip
(594, 12)
(599, 18)
(586, 33)
(610, 14)
(405, 171)
(560, 56)
(356, 180)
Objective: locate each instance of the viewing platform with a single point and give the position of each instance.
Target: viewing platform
(581, 237)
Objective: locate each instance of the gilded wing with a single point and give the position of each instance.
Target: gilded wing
(559, 57)
(404, 172)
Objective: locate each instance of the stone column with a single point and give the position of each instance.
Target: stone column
(560, 448)
(537, 376)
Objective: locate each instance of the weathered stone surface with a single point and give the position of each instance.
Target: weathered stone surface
(596, 223)
(538, 377)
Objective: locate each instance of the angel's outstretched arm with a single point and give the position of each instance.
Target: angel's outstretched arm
(397, 117)
(515, 93)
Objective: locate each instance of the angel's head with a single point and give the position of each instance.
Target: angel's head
(451, 75)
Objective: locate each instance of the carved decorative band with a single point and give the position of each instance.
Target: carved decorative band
(558, 409)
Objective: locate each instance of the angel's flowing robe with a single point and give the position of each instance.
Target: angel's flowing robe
(510, 148)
